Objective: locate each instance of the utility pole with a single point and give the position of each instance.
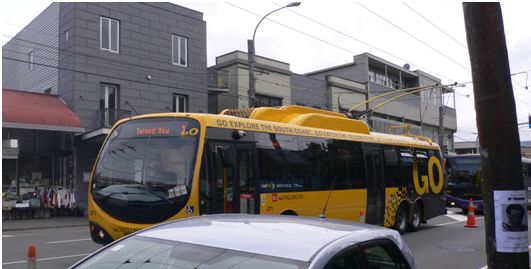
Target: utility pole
(497, 128)
(441, 126)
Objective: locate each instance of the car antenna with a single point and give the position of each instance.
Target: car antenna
(322, 216)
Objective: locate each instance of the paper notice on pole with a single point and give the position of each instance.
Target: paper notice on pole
(510, 221)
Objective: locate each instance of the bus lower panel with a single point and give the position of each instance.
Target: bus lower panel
(95, 234)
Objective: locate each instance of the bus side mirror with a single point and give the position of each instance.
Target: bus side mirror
(225, 153)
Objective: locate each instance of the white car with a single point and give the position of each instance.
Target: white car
(255, 241)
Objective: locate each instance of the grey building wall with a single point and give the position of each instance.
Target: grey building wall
(145, 48)
(40, 37)
(308, 91)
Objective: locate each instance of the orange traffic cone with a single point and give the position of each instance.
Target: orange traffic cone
(471, 222)
(31, 263)
(362, 219)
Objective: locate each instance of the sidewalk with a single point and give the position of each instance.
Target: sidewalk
(44, 223)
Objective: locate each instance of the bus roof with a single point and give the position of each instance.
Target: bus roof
(296, 120)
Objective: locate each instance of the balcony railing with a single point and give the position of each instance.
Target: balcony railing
(219, 79)
(109, 116)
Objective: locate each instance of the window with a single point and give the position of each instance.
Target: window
(384, 255)
(109, 34)
(266, 101)
(180, 50)
(381, 79)
(395, 84)
(315, 164)
(371, 77)
(66, 36)
(30, 60)
(180, 103)
(279, 162)
(109, 104)
(391, 166)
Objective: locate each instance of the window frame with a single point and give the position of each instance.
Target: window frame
(259, 97)
(176, 103)
(110, 37)
(179, 49)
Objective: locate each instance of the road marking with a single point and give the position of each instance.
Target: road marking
(52, 258)
(456, 216)
(68, 241)
(17, 235)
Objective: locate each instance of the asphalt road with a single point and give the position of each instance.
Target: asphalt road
(442, 243)
(55, 248)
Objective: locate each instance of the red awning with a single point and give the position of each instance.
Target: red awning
(29, 110)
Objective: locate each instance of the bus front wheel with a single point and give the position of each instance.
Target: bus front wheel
(416, 218)
(401, 219)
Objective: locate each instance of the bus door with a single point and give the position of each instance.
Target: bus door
(234, 178)
(375, 187)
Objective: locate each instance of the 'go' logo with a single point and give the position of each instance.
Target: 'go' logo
(425, 186)
(192, 131)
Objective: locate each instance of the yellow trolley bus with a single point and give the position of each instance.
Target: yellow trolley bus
(289, 161)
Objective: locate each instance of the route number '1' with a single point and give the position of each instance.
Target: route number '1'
(426, 185)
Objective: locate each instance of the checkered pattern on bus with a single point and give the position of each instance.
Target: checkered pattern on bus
(391, 205)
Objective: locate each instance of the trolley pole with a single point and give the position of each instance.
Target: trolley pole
(496, 122)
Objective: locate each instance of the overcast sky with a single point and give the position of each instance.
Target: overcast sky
(427, 35)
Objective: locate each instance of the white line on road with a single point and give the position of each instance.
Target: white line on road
(52, 258)
(456, 216)
(68, 241)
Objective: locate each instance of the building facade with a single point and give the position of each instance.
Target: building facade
(343, 89)
(107, 61)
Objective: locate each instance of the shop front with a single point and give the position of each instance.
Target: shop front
(38, 154)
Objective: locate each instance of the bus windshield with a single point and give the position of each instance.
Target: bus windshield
(145, 169)
(464, 172)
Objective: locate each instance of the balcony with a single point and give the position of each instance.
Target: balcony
(109, 116)
(218, 80)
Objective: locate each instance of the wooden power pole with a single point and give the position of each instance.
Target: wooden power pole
(497, 125)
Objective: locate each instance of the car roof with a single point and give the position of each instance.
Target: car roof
(292, 237)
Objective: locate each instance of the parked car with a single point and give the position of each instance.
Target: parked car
(255, 241)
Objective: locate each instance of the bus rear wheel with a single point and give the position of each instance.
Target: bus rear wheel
(401, 219)
(416, 218)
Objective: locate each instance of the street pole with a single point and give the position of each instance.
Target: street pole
(499, 144)
(441, 127)
(251, 56)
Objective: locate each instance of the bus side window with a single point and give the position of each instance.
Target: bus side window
(340, 155)
(406, 164)
(391, 166)
(358, 162)
(279, 157)
(316, 165)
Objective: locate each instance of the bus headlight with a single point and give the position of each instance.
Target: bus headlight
(101, 234)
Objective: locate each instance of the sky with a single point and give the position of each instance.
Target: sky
(427, 35)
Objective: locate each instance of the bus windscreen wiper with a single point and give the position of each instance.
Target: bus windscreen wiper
(150, 191)
(120, 192)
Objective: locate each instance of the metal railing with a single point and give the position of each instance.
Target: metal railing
(218, 79)
(109, 116)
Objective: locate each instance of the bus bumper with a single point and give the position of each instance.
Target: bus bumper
(99, 235)
(463, 203)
